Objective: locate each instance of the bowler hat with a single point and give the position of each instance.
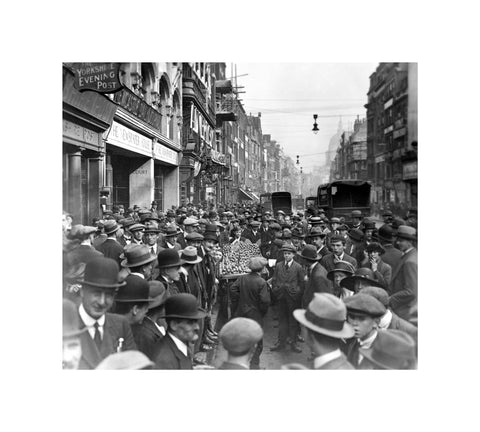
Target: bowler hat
(135, 290)
(341, 266)
(169, 258)
(355, 234)
(257, 263)
(325, 314)
(194, 236)
(137, 255)
(158, 293)
(71, 321)
(364, 274)
(102, 272)
(379, 293)
(309, 253)
(407, 232)
(80, 232)
(210, 236)
(364, 304)
(184, 306)
(297, 233)
(375, 247)
(391, 349)
(287, 247)
(385, 233)
(239, 335)
(110, 226)
(125, 360)
(189, 255)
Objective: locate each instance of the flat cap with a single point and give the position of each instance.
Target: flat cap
(407, 232)
(356, 213)
(239, 335)
(275, 226)
(194, 236)
(126, 360)
(80, 231)
(379, 293)
(257, 263)
(364, 304)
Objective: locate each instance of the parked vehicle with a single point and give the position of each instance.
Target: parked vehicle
(282, 201)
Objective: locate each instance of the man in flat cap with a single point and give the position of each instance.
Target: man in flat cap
(252, 233)
(403, 288)
(190, 225)
(324, 325)
(240, 337)
(288, 285)
(85, 252)
(125, 237)
(251, 298)
(111, 248)
(137, 231)
(107, 333)
(363, 313)
(174, 351)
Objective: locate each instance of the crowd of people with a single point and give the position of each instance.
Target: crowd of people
(143, 289)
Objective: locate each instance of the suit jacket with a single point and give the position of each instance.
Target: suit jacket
(111, 249)
(249, 235)
(116, 326)
(206, 271)
(392, 256)
(403, 288)
(231, 366)
(147, 336)
(288, 282)
(317, 283)
(82, 254)
(383, 274)
(250, 297)
(338, 363)
(168, 356)
(328, 261)
(398, 323)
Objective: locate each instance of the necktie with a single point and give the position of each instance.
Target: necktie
(152, 251)
(97, 338)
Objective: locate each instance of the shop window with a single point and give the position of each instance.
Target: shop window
(158, 187)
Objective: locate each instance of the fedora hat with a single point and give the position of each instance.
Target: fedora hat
(184, 306)
(125, 360)
(152, 228)
(385, 233)
(375, 247)
(325, 314)
(71, 321)
(297, 233)
(136, 227)
(355, 234)
(158, 293)
(171, 231)
(211, 228)
(309, 253)
(110, 226)
(316, 232)
(407, 232)
(102, 272)
(189, 255)
(135, 290)
(137, 255)
(169, 258)
(287, 247)
(363, 274)
(391, 349)
(341, 266)
(127, 222)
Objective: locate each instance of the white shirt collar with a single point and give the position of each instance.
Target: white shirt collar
(313, 265)
(408, 250)
(161, 329)
(138, 274)
(180, 345)
(89, 321)
(385, 320)
(367, 343)
(325, 358)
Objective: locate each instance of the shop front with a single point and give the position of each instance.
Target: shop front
(166, 176)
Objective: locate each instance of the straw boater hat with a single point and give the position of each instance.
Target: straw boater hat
(287, 247)
(325, 314)
(137, 255)
(189, 255)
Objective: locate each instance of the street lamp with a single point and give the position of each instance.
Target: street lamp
(315, 126)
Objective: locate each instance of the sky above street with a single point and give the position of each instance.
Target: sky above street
(288, 94)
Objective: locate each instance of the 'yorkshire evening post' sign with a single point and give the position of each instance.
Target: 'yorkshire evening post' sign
(99, 77)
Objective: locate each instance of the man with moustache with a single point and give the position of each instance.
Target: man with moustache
(174, 351)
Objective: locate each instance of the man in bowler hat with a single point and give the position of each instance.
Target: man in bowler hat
(107, 333)
(174, 351)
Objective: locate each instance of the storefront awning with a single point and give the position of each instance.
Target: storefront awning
(245, 196)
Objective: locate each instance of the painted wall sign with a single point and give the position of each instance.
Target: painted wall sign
(121, 136)
(98, 77)
(160, 152)
(80, 133)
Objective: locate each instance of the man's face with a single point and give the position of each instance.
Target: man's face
(194, 243)
(173, 273)
(318, 241)
(97, 301)
(288, 256)
(338, 277)
(185, 330)
(337, 247)
(362, 324)
(151, 238)
(403, 244)
(72, 353)
(368, 234)
(171, 239)
(335, 225)
(147, 270)
(209, 245)
(356, 220)
(296, 242)
(137, 235)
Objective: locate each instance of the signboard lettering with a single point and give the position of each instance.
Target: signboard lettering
(124, 137)
(99, 77)
(160, 152)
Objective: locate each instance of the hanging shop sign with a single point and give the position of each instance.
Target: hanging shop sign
(160, 152)
(410, 170)
(123, 137)
(98, 77)
(218, 157)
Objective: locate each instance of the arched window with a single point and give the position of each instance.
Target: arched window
(164, 105)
